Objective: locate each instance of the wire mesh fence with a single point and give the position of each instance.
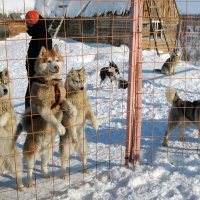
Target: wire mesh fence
(96, 96)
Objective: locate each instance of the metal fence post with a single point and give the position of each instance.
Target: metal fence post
(133, 131)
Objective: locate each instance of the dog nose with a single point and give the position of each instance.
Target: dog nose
(5, 91)
(56, 67)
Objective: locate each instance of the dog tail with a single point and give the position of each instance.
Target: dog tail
(171, 95)
(18, 131)
(157, 70)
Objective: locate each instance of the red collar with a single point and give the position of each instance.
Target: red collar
(57, 96)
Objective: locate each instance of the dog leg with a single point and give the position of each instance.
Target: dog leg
(30, 165)
(47, 116)
(15, 167)
(199, 132)
(82, 150)
(69, 118)
(181, 131)
(170, 128)
(91, 117)
(4, 119)
(64, 157)
(46, 155)
(19, 172)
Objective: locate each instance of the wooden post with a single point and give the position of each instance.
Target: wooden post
(134, 97)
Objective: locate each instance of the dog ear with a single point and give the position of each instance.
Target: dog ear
(42, 51)
(71, 72)
(5, 72)
(113, 64)
(83, 69)
(55, 48)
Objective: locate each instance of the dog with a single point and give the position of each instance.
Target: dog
(169, 67)
(182, 114)
(43, 120)
(10, 157)
(122, 84)
(75, 85)
(109, 73)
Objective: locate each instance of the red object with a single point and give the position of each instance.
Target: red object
(32, 17)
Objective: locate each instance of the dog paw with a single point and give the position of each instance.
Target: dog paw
(29, 185)
(86, 171)
(182, 139)
(165, 144)
(61, 129)
(47, 176)
(20, 188)
(75, 139)
(64, 176)
(73, 112)
(95, 125)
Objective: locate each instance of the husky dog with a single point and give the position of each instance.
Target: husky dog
(122, 84)
(169, 67)
(77, 94)
(111, 73)
(182, 114)
(10, 157)
(44, 118)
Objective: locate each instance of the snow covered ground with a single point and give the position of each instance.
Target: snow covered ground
(164, 173)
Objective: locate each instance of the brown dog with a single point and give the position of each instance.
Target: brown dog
(10, 157)
(77, 95)
(43, 121)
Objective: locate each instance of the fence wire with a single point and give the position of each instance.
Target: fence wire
(130, 105)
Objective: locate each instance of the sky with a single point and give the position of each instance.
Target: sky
(185, 6)
(189, 6)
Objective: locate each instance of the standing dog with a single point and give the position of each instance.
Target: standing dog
(169, 67)
(111, 73)
(44, 119)
(10, 158)
(76, 93)
(182, 114)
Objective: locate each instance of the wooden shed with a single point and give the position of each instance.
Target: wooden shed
(160, 21)
(11, 25)
(190, 37)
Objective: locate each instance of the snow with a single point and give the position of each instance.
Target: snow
(81, 8)
(163, 173)
(57, 8)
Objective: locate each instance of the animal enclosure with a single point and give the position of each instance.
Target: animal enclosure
(98, 107)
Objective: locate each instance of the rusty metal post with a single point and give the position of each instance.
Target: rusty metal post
(133, 131)
(131, 88)
(138, 112)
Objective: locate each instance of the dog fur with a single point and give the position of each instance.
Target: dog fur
(77, 94)
(43, 120)
(122, 84)
(169, 67)
(10, 157)
(182, 114)
(111, 73)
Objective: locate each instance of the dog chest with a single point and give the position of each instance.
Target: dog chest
(50, 94)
